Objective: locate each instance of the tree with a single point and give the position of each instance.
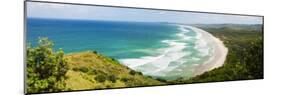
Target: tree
(254, 59)
(46, 68)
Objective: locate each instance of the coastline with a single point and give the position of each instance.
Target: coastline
(219, 53)
(215, 61)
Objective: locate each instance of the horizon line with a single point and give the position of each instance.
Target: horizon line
(137, 21)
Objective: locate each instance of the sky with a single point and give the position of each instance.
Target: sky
(68, 11)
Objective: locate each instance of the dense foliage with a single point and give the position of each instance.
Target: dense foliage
(46, 68)
(244, 59)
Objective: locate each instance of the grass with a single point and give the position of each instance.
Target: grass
(90, 70)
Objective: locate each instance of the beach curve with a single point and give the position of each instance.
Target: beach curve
(219, 52)
(159, 65)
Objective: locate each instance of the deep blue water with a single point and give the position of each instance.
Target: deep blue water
(157, 49)
(113, 39)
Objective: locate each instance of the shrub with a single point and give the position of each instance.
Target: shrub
(114, 59)
(95, 52)
(83, 69)
(75, 69)
(132, 72)
(108, 86)
(93, 72)
(139, 73)
(124, 79)
(160, 79)
(112, 78)
(100, 78)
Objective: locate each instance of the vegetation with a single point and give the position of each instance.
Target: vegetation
(46, 68)
(100, 78)
(102, 72)
(51, 71)
(244, 59)
(112, 78)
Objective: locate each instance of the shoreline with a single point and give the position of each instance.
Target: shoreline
(219, 53)
(216, 60)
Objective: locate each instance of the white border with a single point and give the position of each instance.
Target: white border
(11, 52)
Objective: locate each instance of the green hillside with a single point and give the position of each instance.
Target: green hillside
(53, 71)
(90, 70)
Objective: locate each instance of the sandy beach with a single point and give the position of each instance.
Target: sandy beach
(219, 52)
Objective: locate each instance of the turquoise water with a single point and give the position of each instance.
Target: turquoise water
(162, 50)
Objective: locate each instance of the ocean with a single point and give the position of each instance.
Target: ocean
(156, 49)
